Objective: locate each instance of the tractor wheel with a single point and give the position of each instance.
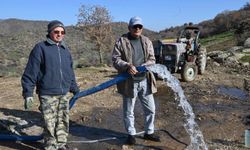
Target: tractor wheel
(202, 60)
(189, 72)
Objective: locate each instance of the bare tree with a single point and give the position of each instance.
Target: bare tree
(246, 6)
(96, 22)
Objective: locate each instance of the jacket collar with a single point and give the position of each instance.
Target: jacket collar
(51, 42)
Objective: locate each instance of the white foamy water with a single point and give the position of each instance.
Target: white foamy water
(196, 137)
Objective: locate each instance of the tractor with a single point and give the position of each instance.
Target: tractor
(183, 55)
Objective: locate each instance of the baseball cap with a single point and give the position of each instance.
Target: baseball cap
(135, 21)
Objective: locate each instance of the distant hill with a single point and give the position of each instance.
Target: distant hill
(223, 22)
(18, 37)
(11, 26)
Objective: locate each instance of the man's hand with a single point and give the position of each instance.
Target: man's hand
(132, 70)
(28, 102)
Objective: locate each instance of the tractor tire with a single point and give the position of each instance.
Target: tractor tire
(189, 72)
(202, 60)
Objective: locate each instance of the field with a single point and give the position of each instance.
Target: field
(220, 115)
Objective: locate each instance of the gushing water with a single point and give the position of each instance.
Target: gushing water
(196, 137)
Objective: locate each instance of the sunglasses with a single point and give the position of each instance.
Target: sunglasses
(57, 32)
(137, 26)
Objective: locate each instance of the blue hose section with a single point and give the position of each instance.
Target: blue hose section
(119, 78)
(7, 137)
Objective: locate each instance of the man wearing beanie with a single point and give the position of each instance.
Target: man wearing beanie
(50, 70)
(131, 50)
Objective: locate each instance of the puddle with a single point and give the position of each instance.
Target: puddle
(233, 92)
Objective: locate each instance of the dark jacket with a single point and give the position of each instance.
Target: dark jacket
(50, 69)
(122, 57)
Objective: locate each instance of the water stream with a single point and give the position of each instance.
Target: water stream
(196, 137)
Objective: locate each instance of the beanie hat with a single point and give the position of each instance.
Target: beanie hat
(134, 21)
(53, 24)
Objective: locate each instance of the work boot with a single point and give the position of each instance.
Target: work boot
(152, 137)
(131, 140)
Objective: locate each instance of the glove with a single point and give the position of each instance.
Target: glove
(28, 102)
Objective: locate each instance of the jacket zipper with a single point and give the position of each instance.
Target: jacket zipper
(60, 66)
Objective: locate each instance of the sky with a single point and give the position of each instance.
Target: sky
(156, 15)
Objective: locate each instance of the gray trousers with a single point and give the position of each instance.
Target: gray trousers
(141, 91)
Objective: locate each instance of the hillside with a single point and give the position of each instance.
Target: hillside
(222, 22)
(19, 36)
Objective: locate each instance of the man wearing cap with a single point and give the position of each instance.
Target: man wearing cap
(131, 50)
(50, 70)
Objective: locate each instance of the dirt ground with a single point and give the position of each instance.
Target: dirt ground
(219, 101)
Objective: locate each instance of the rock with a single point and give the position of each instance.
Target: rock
(232, 60)
(232, 56)
(19, 126)
(220, 56)
(247, 43)
(238, 56)
(219, 60)
(246, 50)
(33, 130)
(245, 64)
(235, 48)
(216, 64)
(214, 54)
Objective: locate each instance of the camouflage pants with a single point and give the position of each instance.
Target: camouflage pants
(55, 111)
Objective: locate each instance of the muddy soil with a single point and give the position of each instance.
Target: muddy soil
(96, 120)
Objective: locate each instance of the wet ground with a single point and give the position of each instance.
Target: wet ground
(219, 101)
(233, 92)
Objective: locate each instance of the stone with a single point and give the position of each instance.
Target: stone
(247, 43)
